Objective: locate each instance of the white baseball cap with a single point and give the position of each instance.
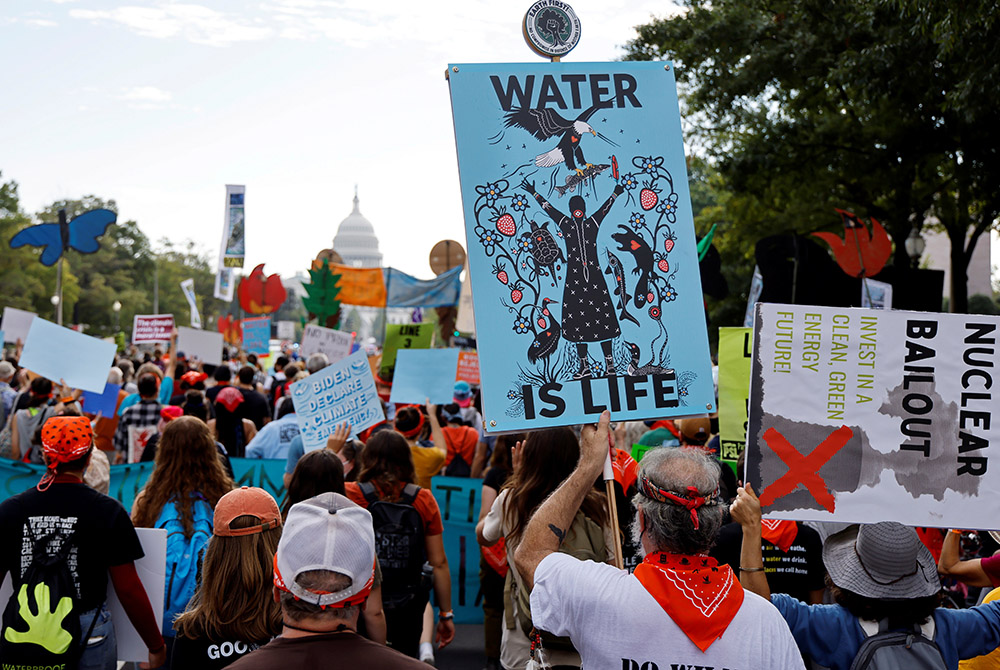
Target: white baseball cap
(327, 532)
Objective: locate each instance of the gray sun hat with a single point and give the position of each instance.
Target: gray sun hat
(883, 560)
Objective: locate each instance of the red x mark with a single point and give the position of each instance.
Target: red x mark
(803, 469)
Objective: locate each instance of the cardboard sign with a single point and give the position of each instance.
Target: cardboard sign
(104, 403)
(335, 344)
(233, 229)
(257, 335)
(459, 499)
(861, 415)
(403, 336)
(876, 294)
(138, 438)
(342, 391)
(581, 243)
(735, 351)
(16, 324)
(285, 330)
(60, 353)
(187, 287)
(423, 374)
(150, 328)
(151, 569)
(468, 367)
(203, 345)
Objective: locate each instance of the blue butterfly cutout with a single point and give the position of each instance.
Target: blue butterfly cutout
(80, 234)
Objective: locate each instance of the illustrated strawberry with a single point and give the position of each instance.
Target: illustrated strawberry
(663, 265)
(506, 224)
(648, 196)
(649, 297)
(668, 244)
(541, 323)
(515, 293)
(500, 273)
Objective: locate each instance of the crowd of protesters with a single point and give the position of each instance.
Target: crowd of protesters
(348, 568)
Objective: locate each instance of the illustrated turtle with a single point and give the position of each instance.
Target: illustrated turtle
(545, 250)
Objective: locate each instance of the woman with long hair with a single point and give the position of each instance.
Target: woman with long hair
(386, 485)
(427, 442)
(542, 462)
(322, 471)
(185, 486)
(233, 611)
(230, 425)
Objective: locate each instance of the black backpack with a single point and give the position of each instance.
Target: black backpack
(399, 544)
(898, 650)
(41, 623)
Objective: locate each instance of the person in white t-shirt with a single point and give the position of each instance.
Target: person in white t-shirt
(679, 608)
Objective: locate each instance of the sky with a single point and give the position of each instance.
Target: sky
(160, 104)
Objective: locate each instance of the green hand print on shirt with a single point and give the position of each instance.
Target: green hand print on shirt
(45, 629)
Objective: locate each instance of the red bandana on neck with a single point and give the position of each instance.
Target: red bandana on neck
(701, 597)
(779, 533)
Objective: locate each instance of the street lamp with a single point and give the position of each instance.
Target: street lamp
(915, 246)
(116, 306)
(55, 303)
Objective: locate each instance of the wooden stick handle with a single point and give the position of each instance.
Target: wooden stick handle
(609, 488)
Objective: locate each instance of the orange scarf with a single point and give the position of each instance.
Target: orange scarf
(701, 597)
(779, 533)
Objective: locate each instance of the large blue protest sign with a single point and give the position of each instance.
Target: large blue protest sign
(60, 353)
(257, 335)
(459, 499)
(423, 374)
(342, 391)
(104, 403)
(581, 243)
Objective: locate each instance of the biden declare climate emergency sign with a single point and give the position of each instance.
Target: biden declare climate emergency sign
(867, 415)
(581, 243)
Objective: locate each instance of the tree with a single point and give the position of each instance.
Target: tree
(883, 107)
(321, 299)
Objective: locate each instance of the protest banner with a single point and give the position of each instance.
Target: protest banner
(584, 271)
(423, 374)
(151, 569)
(16, 324)
(459, 499)
(342, 391)
(225, 284)
(203, 345)
(336, 344)
(257, 335)
(861, 415)
(233, 229)
(187, 286)
(403, 336)
(468, 367)
(735, 349)
(152, 328)
(60, 353)
(104, 403)
(138, 438)
(876, 294)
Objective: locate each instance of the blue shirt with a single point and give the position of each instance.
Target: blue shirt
(273, 439)
(831, 635)
(296, 450)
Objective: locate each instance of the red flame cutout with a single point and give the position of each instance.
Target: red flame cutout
(858, 253)
(260, 294)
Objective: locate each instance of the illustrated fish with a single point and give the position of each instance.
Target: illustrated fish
(631, 242)
(574, 179)
(616, 270)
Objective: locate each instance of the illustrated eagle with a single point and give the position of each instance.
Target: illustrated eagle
(545, 123)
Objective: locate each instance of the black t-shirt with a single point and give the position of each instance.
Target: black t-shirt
(330, 650)
(495, 478)
(208, 654)
(796, 573)
(105, 536)
(255, 407)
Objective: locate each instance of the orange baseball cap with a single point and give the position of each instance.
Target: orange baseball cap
(247, 500)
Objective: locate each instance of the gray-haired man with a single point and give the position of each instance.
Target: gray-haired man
(680, 608)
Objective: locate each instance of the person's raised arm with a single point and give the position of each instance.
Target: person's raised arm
(437, 435)
(745, 511)
(968, 572)
(606, 207)
(547, 207)
(548, 526)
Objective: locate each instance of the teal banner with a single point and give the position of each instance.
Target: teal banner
(459, 499)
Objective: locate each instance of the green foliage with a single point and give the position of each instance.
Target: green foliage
(883, 107)
(321, 299)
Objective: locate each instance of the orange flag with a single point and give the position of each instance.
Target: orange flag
(360, 286)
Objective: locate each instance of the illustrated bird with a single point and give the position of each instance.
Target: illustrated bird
(545, 124)
(635, 370)
(546, 340)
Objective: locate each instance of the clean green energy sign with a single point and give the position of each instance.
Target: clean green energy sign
(735, 350)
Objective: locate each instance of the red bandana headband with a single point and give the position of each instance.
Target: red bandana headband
(692, 501)
(413, 432)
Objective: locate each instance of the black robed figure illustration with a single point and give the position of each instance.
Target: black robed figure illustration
(587, 311)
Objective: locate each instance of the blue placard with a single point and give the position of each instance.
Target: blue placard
(423, 374)
(459, 499)
(257, 335)
(581, 243)
(342, 391)
(105, 403)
